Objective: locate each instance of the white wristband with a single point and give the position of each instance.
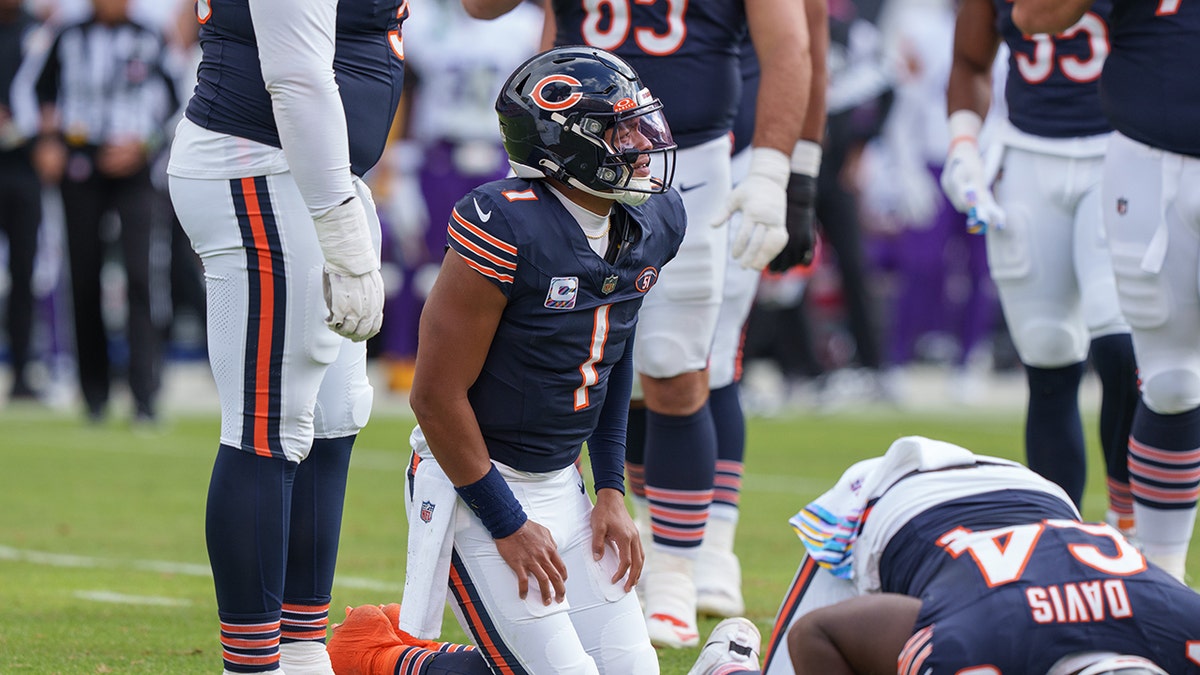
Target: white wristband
(771, 164)
(345, 239)
(806, 158)
(964, 125)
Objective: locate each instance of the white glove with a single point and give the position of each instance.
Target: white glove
(963, 178)
(351, 280)
(761, 197)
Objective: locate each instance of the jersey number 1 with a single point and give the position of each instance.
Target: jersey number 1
(595, 353)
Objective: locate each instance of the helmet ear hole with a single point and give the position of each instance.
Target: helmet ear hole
(559, 114)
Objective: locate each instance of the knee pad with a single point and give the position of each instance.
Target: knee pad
(662, 357)
(1050, 344)
(334, 418)
(1172, 391)
(626, 649)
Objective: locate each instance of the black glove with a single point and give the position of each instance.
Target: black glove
(801, 214)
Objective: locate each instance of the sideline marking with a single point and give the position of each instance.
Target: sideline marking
(124, 599)
(160, 566)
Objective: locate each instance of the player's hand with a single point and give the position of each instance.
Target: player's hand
(761, 198)
(801, 216)
(352, 283)
(612, 528)
(531, 552)
(963, 177)
(355, 303)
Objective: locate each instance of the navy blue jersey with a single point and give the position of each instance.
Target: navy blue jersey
(1020, 597)
(1052, 89)
(569, 314)
(1150, 86)
(699, 84)
(230, 96)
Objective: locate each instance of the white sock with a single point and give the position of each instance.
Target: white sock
(305, 658)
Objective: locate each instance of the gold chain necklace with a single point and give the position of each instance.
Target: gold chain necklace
(602, 235)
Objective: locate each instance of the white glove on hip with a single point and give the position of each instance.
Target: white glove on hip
(761, 197)
(963, 177)
(351, 280)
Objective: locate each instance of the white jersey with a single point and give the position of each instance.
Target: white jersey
(460, 64)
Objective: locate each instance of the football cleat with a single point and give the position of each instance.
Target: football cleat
(719, 583)
(370, 642)
(670, 595)
(734, 642)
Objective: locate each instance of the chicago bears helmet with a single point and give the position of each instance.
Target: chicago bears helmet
(582, 116)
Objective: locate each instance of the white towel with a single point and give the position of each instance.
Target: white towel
(828, 526)
(430, 542)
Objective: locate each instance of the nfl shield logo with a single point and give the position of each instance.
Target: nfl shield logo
(610, 284)
(427, 511)
(1122, 206)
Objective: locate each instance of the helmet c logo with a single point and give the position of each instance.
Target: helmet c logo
(560, 102)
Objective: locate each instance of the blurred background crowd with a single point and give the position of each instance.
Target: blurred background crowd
(100, 291)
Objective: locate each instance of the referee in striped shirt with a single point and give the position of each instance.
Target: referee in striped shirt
(105, 99)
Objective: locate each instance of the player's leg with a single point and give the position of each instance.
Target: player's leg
(718, 571)
(671, 352)
(607, 620)
(1151, 222)
(265, 310)
(20, 219)
(813, 587)
(1031, 263)
(515, 635)
(143, 234)
(370, 642)
(1111, 352)
(83, 206)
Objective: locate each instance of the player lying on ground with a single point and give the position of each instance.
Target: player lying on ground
(934, 560)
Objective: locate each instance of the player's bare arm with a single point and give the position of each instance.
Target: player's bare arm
(456, 331)
(779, 29)
(549, 26)
(975, 43)
(1048, 16)
(816, 15)
(860, 635)
(489, 9)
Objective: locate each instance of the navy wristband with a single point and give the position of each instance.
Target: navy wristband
(493, 502)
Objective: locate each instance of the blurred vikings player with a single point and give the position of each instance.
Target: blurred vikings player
(916, 559)
(264, 176)
(1152, 216)
(1046, 246)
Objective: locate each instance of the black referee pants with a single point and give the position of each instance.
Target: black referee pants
(85, 203)
(20, 215)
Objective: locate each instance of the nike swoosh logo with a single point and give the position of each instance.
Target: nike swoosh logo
(689, 188)
(482, 216)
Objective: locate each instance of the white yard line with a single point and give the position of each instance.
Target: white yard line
(124, 599)
(160, 566)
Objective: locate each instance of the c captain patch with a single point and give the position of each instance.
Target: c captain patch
(562, 293)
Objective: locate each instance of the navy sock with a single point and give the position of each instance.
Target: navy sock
(1164, 455)
(635, 450)
(681, 455)
(246, 525)
(1112, 357)
(317, 500)
(1054, 445)
(730, 424)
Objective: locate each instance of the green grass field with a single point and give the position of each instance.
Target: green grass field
(102, 560)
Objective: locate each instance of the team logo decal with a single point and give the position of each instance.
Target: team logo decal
(646, 279)
(427, 511)
(563, 291)
(610, 284)
(557, 92)
(1122, 206)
